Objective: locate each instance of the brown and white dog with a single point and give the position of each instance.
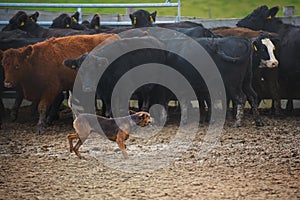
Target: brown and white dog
(115, 129)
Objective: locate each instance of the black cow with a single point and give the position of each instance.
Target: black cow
(66, 21)
(75, 63)
(195, 32)
(94, 23)
(233, 57)
(142, 18)
(263, 18)
(22, 21)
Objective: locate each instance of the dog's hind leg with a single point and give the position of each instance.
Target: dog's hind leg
(76, 148)
(121, 137)
(70, 139)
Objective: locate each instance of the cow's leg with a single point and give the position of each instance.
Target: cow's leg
(53, 113)
(107, 104)
(103, 109)
(159, 96)
(205, 102)
(252, 98)
(202, 107)
(277, 104)
(239, 103)
(289, 105)
(145, 95)
(42, 108)
(230, 112)
(145, 102)
(271, 77)
(17, 104)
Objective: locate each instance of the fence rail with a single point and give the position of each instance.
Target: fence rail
(79, 7)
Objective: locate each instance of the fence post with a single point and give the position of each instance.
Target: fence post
(79, 9)
(288, 11)
(178, 11)
(129, 11)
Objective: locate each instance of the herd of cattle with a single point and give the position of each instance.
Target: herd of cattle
(258, 59)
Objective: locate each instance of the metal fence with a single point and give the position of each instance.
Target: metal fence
(79, 7)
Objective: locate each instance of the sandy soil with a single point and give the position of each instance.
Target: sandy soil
(245, 163)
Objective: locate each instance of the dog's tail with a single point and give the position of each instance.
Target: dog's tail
(74, 111)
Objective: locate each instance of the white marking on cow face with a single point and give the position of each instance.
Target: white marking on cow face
(272, 62)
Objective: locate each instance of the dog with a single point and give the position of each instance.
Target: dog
(115, 129)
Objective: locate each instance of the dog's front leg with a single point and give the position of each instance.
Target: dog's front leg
(121, 137)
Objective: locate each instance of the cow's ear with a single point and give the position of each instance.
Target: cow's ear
(75, 17)
(131, 16)
(272, 12)
(254, 45)
(28, 51)
(95, 23)
(153, 17)
(34, 16)
(133, 19)
(68, 22)
(22, 19)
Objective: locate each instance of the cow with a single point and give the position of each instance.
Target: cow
(143, 18)
(14, 43)
(233, 57)
(39, 66)
(94, 23)
(265, 79)
(242, 32)
(195, 32)
(263, 18)
(66, 21)
(14, 39)
(22, 21)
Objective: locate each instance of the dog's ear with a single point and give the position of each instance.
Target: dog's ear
(131, 112)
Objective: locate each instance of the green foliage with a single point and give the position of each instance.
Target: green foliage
(191, 8)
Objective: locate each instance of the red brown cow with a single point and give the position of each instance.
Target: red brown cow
(40, 71)
(241, 32)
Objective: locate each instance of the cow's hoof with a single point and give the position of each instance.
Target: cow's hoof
(259, 123)
(279, 115)
(51, 118)
(236, 125)
(41, 129)
(13, 116)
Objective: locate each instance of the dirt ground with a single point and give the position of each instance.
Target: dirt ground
(245, 163)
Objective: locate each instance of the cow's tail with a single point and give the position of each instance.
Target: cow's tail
(74, 111)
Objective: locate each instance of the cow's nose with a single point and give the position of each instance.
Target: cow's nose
(8, 84)
(275, 64)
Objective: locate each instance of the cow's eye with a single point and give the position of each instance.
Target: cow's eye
(17, 67)
(274, 48)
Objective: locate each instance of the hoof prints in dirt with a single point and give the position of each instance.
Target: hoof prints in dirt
(246, 163)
